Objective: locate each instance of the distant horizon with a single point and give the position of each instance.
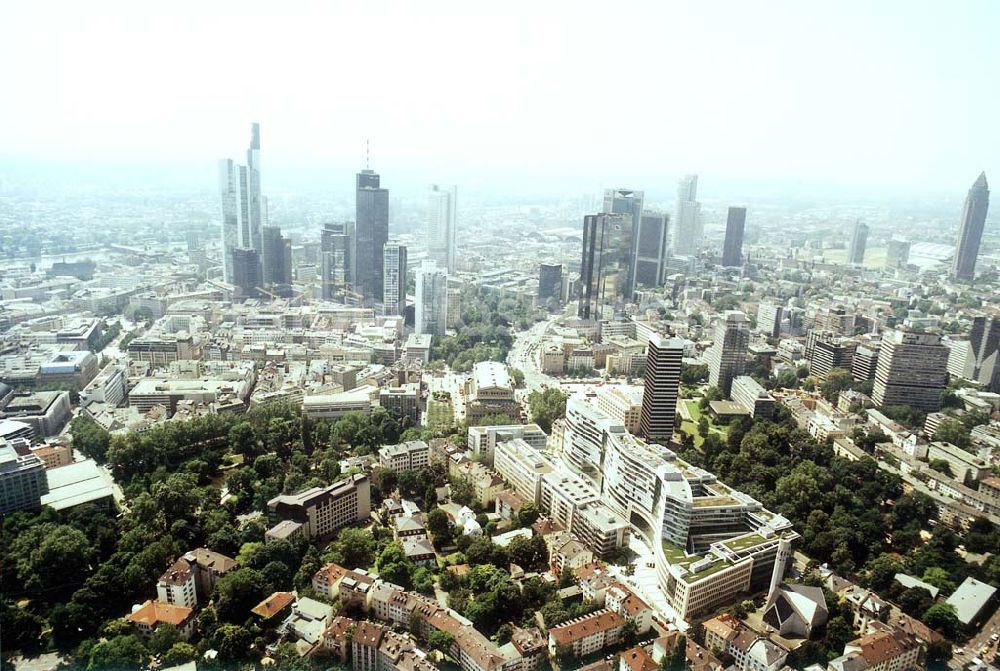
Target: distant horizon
(891, 99)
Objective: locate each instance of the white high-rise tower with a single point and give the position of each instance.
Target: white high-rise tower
(441, 225)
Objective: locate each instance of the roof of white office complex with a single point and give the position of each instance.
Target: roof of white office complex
(970, 598)
(77, 484)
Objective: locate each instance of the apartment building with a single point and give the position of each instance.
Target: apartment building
(409, 456)
(523, 467)
(321, 511)
(586, 635)
(482, 440)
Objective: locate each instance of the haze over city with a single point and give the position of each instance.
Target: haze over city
(537, 98)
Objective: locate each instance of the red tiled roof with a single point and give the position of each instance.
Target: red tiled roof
(602, 620)
(273, 604)
(154, 613)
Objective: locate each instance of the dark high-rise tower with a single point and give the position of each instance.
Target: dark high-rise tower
(604, 267)
(859, 240)
(277, 257)
(732, 248)
(246, 271)
(970, 232)
(984, 341)
(651, 249)
(549, 281)
(371, 232)
(660, 388)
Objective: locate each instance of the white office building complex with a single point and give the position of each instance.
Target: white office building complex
(432, 299)
(441, 226)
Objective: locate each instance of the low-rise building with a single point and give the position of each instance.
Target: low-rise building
(753, 397)
(150, 615)
(324, 510)
(409, 456)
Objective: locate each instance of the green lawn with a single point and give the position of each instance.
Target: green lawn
(874, 256)
(691, 427)
(439, 413)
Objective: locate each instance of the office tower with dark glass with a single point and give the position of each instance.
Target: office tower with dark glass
(394, 279)
(604, 266)
(912, 370)
(335, 259)
(277, 257)
(651, 249)
(727, 356)
(897, 253)
(549, 282)
(970, 232)
(687, 217)
(984, 343)
(629, 203)
(732, 248)
(244, 210)
(441, 226)
(660, 388)
(431, 314)
(859, 240)
(371, 232)
(246, 271)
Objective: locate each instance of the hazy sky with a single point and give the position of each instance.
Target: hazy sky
(896, 95)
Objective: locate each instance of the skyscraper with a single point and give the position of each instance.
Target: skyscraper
(984, 342)
(394, 276)
(604, 267)
(897, 253)
(277, 257)
(687, 217)
(441, 226)
(970, 232)
(912, 370)
(244, 210)
(335, 259)
(732, 248)
(549, 281)
(728, 355)
(431, 300)
(859, 239)
(371, 232)
(629, 203)
(246, 271)
(660, 388)
(651, 249)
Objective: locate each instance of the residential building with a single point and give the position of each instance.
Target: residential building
(886, 649)
(727, 356)
(586, 635)
(912, 370)
(177, 585)
(321, 511)
(523, 467)
(660, 388)
(750, 651)
(150, 615)
(482, 440)
(623, 404)
(209, 567)
(970, 231)
(409, 456)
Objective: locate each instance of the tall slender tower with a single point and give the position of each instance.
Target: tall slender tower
(335, 263)
(859, 240)
(627, 202)
(394, 279)
(687, 217)
(371, 232)
(732, 248)
(660, 388)
(431, 315)
(651, 249)
(441, 228)
(970, 232)
(244, 210)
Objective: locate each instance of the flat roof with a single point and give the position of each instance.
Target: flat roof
(75, 484)
(970, 598)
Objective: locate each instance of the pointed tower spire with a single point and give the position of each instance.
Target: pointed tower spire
(980, 182)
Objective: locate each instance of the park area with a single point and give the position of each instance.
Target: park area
(690, 414)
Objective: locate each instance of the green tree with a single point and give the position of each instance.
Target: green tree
(439, 526)
(237, 592)
(836, 381)
(547, 406)
(942, 617)
(440, 640)
(180, 653)
(48, 550)
(120, 652)
(676, 658)
(232, 642)
(528, 514)
(954, 432)
(164, 638)
(21, 628)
